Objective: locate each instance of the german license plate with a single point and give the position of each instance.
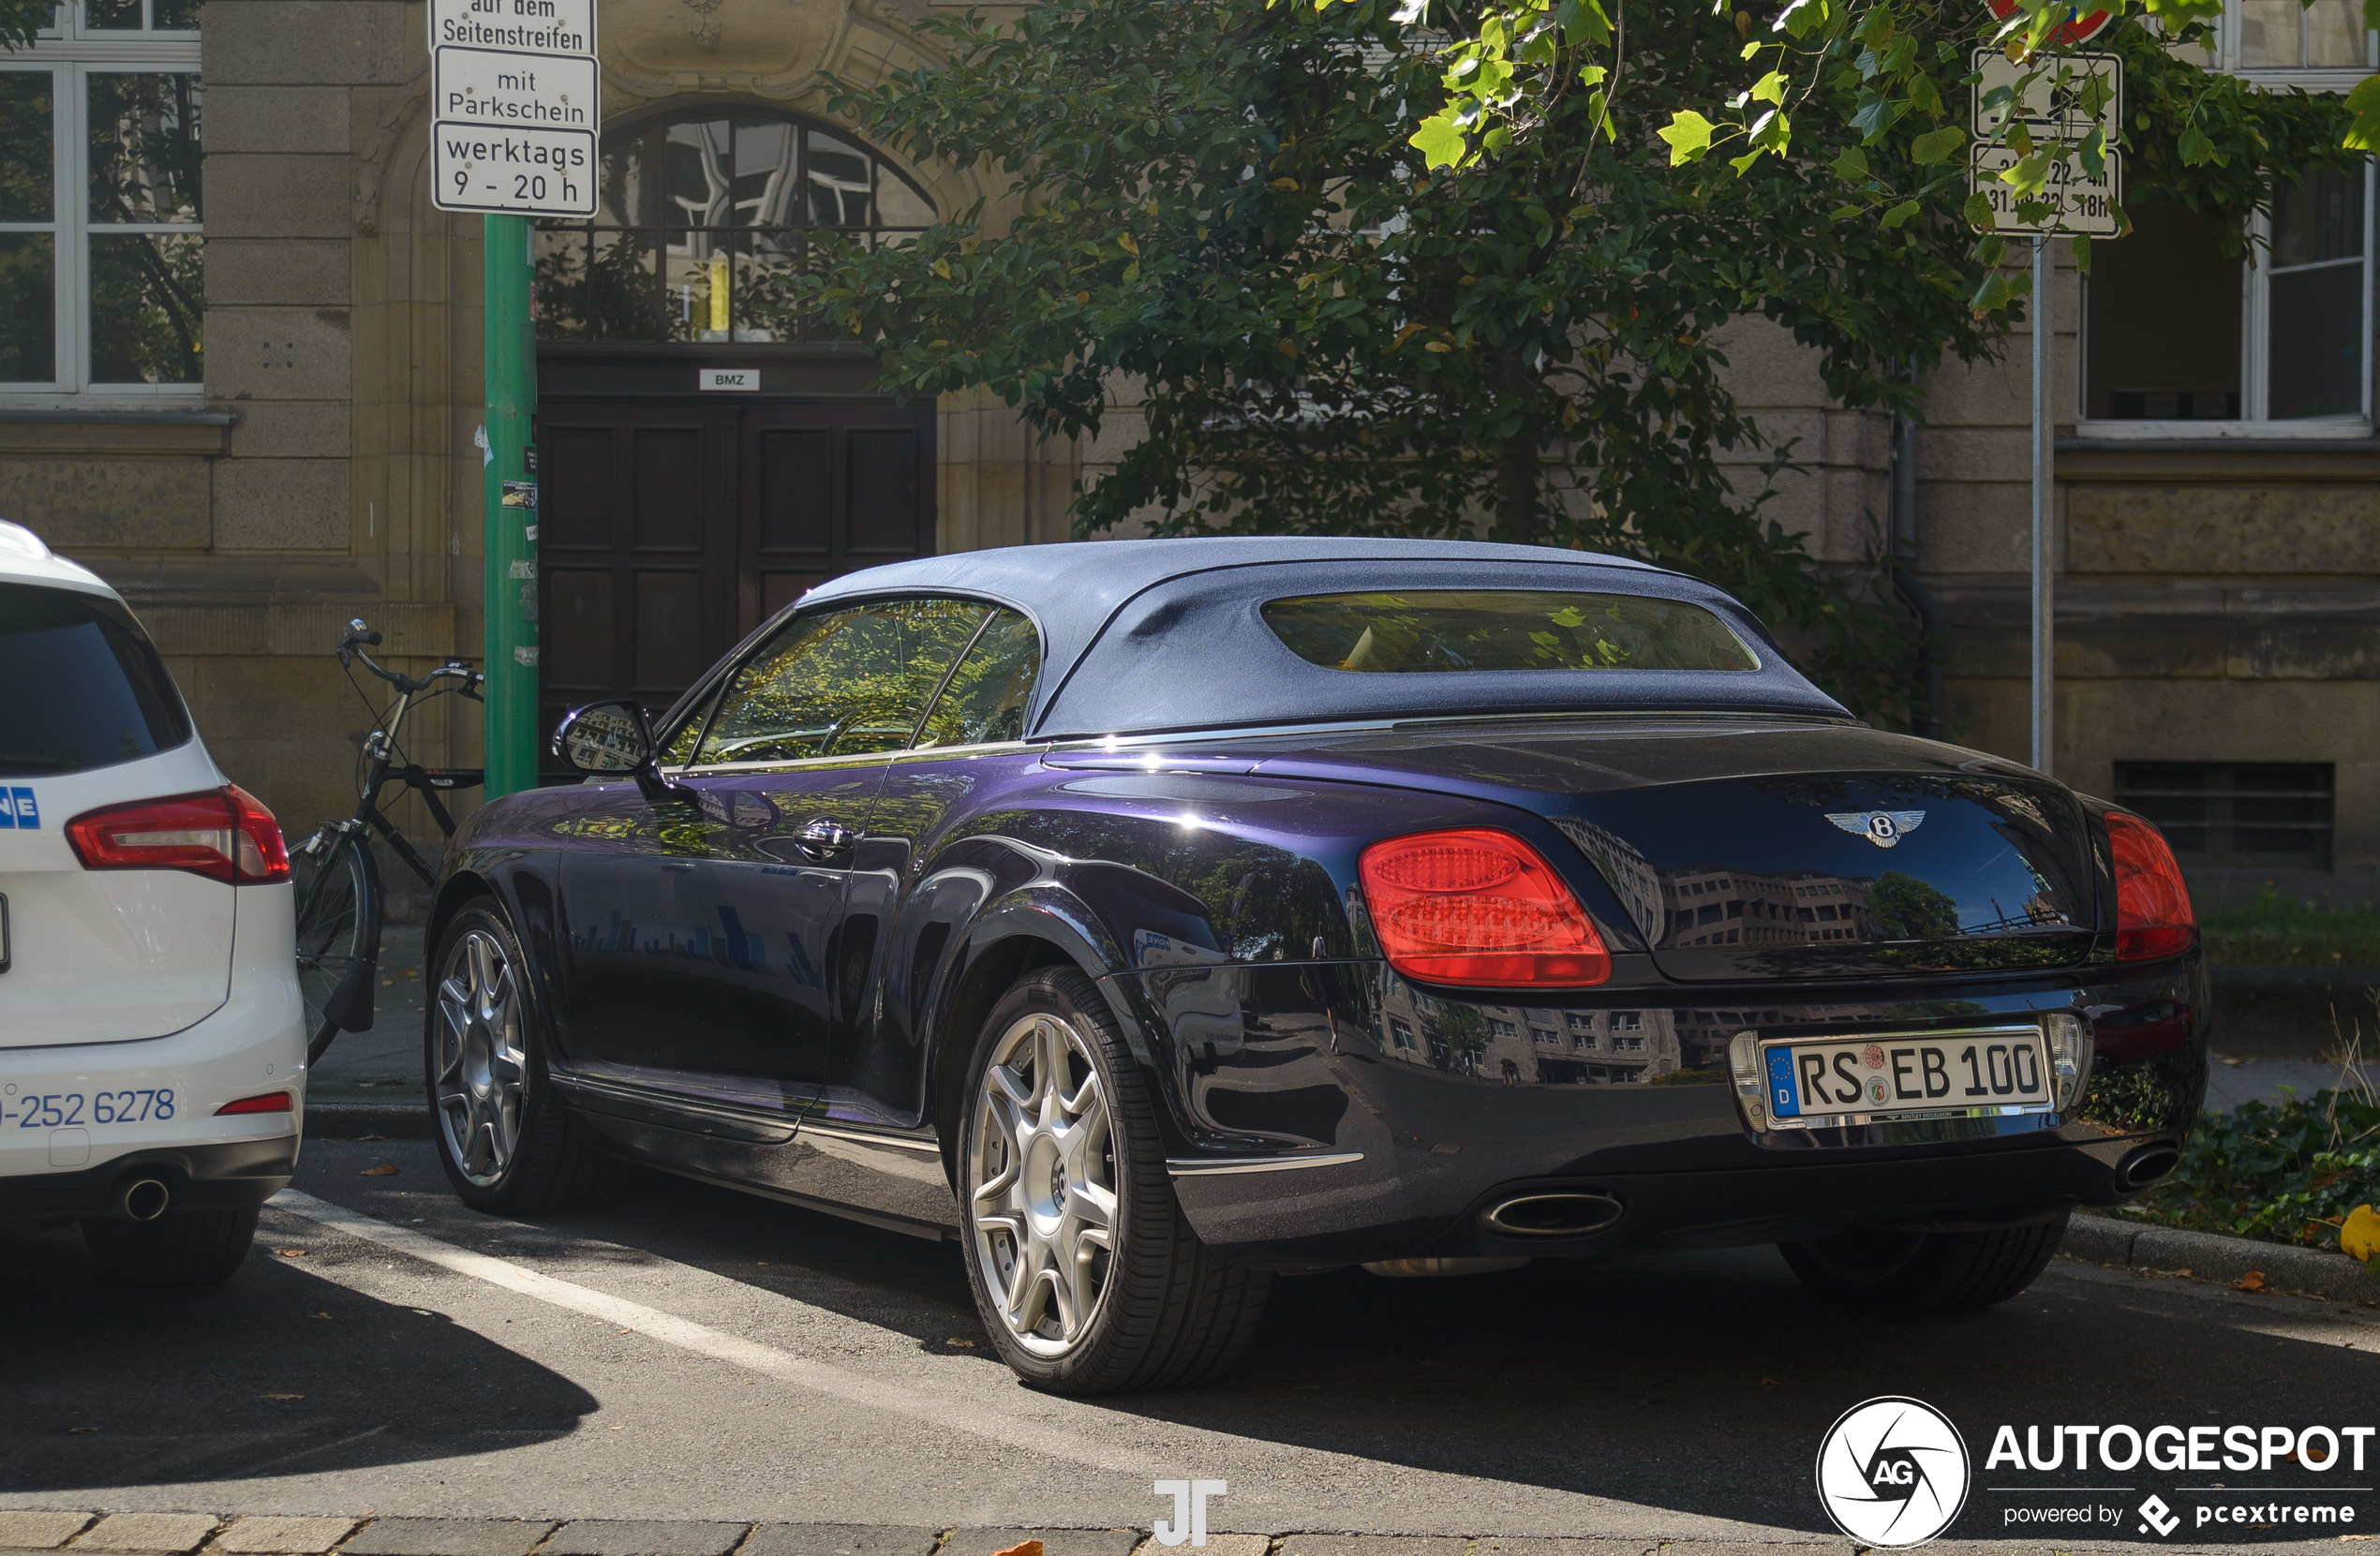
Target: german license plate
(1951, 1075)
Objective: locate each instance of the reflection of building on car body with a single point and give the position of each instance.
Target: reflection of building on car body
(1156, 918)
(151, 1065)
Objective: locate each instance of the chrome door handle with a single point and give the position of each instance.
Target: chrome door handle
(823, 838)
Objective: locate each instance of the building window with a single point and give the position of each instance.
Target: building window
(702, 217)
(2263, 815)
(1629, 1045)
(1502, 1029)
(1580, 1020)
(1402, 1033)
(1630, 1020)
(102, 246)
(1545, 1037)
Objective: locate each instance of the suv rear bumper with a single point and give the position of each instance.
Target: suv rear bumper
(232, 1175)
(254, 1042)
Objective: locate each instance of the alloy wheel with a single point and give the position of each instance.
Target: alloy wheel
(1041, 1179)
(481, 1061)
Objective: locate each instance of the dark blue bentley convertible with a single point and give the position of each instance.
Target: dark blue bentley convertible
(1155, 918)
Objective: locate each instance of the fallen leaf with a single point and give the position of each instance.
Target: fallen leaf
(1023, 1547)
(290, 1252)
(81, 1431)
(2360, 1237)
(2253, 1280)
(1772, 1380)
(614, 1428)
(318, 1315)
(383, 1170)
(964, 1344)
(2235, 1063)
(629, 1331)
(280, 1395)
(370, 1139)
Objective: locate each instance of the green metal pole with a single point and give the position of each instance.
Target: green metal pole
(512, 509)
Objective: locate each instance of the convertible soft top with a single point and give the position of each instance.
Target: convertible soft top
(1150, 636)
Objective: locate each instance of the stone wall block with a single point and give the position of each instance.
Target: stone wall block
(282, 504)
(305, 42)
(279, 354)
(305, 119)
(243, 271)
(1975, 454)
(2224, 530)
(1968, 527)
(108, 502)
(283, 196)
(272, 430)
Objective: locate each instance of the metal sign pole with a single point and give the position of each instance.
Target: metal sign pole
(511, 489)
(2045, 626)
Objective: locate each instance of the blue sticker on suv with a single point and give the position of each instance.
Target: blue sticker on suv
(18, 810)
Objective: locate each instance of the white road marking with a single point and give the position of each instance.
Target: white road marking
(955, 1415)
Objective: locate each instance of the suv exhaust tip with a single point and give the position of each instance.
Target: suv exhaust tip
(141, 1199)
(2146, 1165)
(1553, 1213)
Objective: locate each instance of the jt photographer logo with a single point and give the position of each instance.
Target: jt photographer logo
(1892, 1473)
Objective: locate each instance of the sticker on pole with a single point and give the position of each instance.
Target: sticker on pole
(514, 106)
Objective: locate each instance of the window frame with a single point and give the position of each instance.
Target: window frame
(2255, 306)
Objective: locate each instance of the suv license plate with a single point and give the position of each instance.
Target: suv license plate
(1958, 1075)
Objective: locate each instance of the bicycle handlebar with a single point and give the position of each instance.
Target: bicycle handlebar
(359, 637)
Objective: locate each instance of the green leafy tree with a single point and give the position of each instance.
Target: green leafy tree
(1908, 909)
(1217, 205)
(20, 19)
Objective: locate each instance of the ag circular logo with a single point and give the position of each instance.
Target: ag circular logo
(1892, 1473)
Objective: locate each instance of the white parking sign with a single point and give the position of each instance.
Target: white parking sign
(515, 105)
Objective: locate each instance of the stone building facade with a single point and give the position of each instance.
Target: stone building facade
(243, 387)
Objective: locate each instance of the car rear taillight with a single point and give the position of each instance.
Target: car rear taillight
(271, 1101)
(222, 833)
(1481, 908)
(2153, 917)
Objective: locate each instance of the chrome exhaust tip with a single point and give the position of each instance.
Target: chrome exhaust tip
(1553, 1213)
(141, 1199)
(2146, 1166)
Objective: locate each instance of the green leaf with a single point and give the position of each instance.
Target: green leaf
(1750, 49)
(2363, 103)
(2080, 248)
(1592, 74)
(2197, 149)
(1770, 88)
(1937, 145)
(1991, 296)
(1439, 142)
(1851, 167)
(1898, 216)
(1689, 135)
(1978, 212)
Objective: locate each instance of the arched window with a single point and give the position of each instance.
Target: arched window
(701, 211)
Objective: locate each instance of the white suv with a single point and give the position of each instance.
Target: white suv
(152, 1041)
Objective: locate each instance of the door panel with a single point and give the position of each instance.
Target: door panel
(827, 488)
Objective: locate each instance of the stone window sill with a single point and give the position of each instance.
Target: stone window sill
(2231, 461)
(40, 431)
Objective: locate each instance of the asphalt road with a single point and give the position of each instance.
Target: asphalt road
(697, 1354)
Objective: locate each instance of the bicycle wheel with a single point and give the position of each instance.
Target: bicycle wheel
(334, 928)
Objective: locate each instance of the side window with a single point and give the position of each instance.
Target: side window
(985, 702)
(840, 684)
(679, 747)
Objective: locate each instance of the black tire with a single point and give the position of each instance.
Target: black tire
(1909, 1274)
(335, 929)
(180, 1248)
(1168, 1310)
(509, 1143)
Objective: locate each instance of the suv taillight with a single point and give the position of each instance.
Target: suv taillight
(1481, 908)
(2153, 917)
(222, 833)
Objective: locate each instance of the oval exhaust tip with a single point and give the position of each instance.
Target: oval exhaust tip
(144, 1200)
(1554, 1213)
(2147, 1166)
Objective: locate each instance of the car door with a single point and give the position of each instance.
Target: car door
(735, 1004)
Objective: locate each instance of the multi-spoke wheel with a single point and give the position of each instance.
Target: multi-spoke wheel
(1086, 1275)
(479, 1062)
(507, 1143)
(1042, 1180)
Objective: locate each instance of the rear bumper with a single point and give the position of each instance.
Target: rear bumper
(231, 1174)
(254, 1042)
(1331, 1113)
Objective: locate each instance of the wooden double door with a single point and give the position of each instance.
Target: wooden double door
(668, 529)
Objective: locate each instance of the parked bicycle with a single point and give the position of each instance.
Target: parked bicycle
(337, 881)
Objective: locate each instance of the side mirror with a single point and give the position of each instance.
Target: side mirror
(606, 739)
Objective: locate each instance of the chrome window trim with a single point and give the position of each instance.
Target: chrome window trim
(1226, 1165)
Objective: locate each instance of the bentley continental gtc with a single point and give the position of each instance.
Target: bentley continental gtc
(1154, 919)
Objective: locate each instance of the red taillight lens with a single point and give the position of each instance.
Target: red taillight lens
(2153, 917)
(222, 833)
(271, 1101)
(1481, 908)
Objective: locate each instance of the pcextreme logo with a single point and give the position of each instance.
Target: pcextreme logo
(1892, 1473)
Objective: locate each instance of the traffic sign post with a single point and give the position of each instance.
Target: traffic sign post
(515, 127)
(2072, 200)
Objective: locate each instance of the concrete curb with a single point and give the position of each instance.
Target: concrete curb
(347, 1118)
(2212, 1256)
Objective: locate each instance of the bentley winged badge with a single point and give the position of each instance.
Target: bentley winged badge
(1882, 827)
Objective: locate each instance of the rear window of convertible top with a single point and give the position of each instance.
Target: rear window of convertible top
(1496, 630)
